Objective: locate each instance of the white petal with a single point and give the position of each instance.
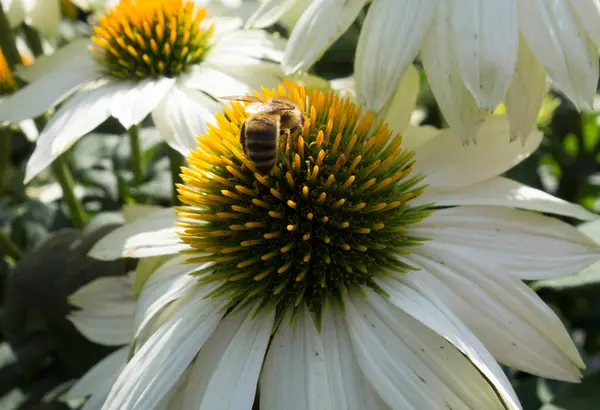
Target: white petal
(168, 283)
(388, 43)
(72, 56)
(321, 24)
(516, 326)
(221, 79)
(232, 385)
(37, 97)
(133, 212)
(79, 115)
(208, 360)
(415, 136)
(151, 236)
(107, 307)
(131, 106)
(181, 116)
(43, 16)
(407, 294)
(163, 358)
(589, 13)
(447, 164)
(144, 270)
(528, 245)
(240, 46)
(268, 13)
(348, 388)
(486, 39)
(439, 56)
(562, 47)
(97, 382)
(525, 94)
(501, 191)
(410, 366)
(398, 113)
(15, 13)
(295, 376)
(30, 130)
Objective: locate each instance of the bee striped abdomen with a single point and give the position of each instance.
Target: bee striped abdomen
(261, 142)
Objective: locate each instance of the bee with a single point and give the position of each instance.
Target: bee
(272, 126)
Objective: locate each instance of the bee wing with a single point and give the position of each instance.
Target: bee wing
(271, 107)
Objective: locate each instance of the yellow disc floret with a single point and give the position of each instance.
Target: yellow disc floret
(151, 38)
(7, 81)
(330, 215)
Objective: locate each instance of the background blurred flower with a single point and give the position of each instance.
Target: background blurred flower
(43, 15)
(343, 237)
(126, 76)
(476, 53)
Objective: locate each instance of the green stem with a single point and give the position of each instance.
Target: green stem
(9, 247)
(7, 42)
(177, 161)
(5, 154)
(65, 179)
(136, 154)
(33, 40)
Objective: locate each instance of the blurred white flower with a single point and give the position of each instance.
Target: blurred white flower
(476, 53)
(127, 75)
(287, 13)
(43, 15)
(334, 283)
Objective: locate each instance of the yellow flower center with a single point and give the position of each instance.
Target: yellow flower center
(330, 215)
(7, 81)
(139, 39)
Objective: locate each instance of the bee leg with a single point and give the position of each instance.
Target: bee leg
(284, 146)
(243, 138)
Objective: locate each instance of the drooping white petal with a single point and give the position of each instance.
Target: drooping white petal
(405, 292)
(486, 38)
(132, 105)
(447, 164)
(562, 46)
(409, 365)
(415, 136)
(163, 358)
(97, 382)
(72, 56)
(588, 12)
(500, 191)
(151, 236)
(268, 13)
(79, 115)
(321, 24)
(169, 282)
(243, 46)
(348, 388)
(208, 360)
(526, 244)
(516, 326)
(525, 94)
(294, 375)
(50, 89)
(106, 310)
(181, 116)
(232, 384)
(439, 56)
(400, 108)
(389, 41)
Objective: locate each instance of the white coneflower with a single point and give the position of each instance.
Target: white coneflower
(145, 57)
(43, 15)
(476, 53)
(358, 274)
